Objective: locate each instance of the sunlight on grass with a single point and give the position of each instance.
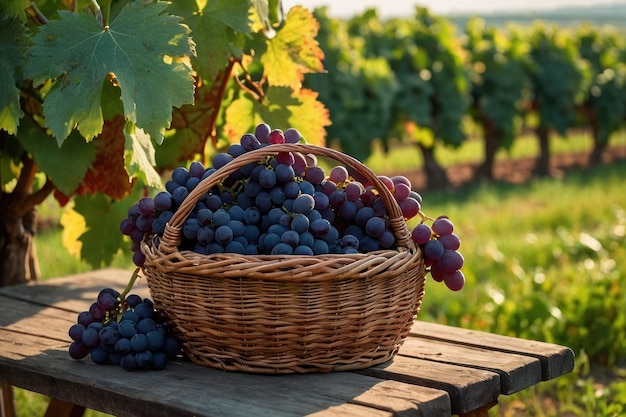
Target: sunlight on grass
(55, 261)
(403, 157)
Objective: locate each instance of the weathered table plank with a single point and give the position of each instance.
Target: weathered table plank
(555, 360)
(517, 372)
(469, 388)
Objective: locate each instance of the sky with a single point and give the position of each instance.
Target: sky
(393, 8)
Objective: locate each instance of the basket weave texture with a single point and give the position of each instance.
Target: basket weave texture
(287, 313)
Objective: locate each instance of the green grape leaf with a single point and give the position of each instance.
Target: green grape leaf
(281, 108)
(294, 51)
(12, 47)
(143, 51)
(14, 8)
(102, 239)
(218, 27)
(67, 165)
(139, 156)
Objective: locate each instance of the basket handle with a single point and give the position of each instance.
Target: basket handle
(173, 230)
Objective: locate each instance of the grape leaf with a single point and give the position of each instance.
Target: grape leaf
(217, 27)
(102, 239)
(67, 165)
(281, 108)
(139, 156)
(294, 51)
(12, 47)
(142, 50)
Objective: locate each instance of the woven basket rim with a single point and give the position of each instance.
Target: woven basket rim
(294, 268)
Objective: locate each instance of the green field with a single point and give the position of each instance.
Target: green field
(544, 260)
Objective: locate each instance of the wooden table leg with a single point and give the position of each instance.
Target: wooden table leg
(7, 406)
(482, 411)
(58, 408)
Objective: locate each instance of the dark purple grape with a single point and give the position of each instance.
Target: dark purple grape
(139, 259)
(96, 311)
(90, 337)
(409, 207)
(314, 174)
(337, 198)
(106, 301)
(292, 135)
(455, 281)
(387, 240)
(132, 300)
(85, 318)
(401, 192)
(236, 150)
(249, 142)
(163, 201)
(284, 173)
(354, 190)
(221, 159)
(451, 261)
(443, 226)
(282, 249)
(304, 203)
(421, 234)
(338, 174)
(267, 178)
(375, 227)
(144, 310)
(78, 350)
(76, 332)
(156, 340)
(146, 326)
(433, 249)
(262, 132)
(180, 175)
(450, 241)
(319, 227)
(122, 346)
(126, 227)
(109, 335)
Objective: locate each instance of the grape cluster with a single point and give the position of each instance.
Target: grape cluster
(440, 247)
(126, 331)
(287, 204)
(282, 204)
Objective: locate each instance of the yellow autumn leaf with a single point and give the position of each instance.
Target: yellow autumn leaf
(294, 51)
(74, 226)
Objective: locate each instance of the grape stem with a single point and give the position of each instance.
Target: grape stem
(35, 13)
(130, 284)
(424, 217)
(97, 12)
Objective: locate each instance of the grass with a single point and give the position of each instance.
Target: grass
(545, 260)
(403, 157)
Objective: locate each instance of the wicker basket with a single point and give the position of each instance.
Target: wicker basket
(287, 313)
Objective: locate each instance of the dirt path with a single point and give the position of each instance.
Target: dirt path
(519, 170)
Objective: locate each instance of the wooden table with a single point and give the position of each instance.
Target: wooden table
(440, 370)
